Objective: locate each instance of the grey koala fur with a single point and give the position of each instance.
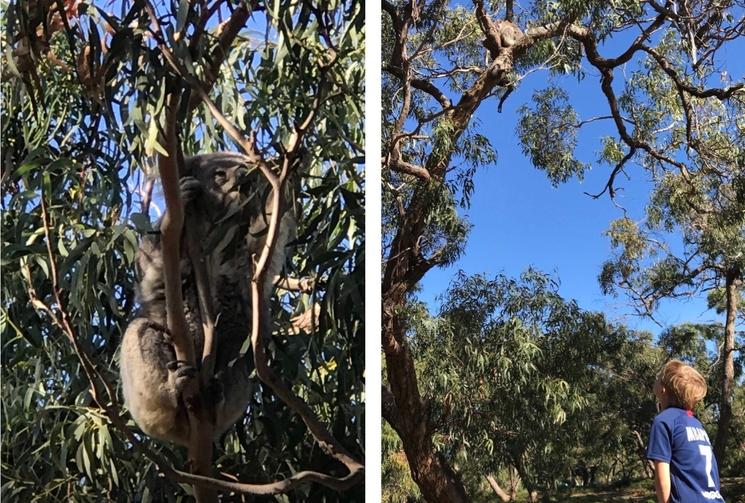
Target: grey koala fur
(226, 206)
(509, 33)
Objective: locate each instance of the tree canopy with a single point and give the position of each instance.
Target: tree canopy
(85, 114)
(673, 110)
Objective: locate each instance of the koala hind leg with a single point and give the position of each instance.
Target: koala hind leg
(152, 381)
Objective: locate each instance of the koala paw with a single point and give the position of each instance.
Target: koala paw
(190, 188)
(183, 376)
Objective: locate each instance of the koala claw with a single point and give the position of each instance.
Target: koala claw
(190, 187)
(175, 365)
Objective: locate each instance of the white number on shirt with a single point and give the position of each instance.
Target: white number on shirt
(707, 454)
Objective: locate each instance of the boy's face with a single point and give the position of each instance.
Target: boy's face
(661, 394)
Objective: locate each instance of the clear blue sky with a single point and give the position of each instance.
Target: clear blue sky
(520, 220)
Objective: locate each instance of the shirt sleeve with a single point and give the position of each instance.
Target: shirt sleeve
(660, 442)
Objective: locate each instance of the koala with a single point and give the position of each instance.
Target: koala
(509, 33)
(226, 206)
(505, 35)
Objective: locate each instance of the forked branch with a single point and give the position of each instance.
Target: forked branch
(172, 224)
(261, 323)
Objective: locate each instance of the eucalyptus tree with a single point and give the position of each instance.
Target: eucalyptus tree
(94, 102)
(697, 196)
(508, 363)
(442, 61)
(520, 376)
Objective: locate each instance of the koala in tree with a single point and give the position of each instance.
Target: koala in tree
(509, 33)
(505, 34)
(225, 207)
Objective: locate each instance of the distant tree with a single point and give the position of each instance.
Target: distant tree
(519, 377)
(442, 62)
(614, 426)
(506, 362)
(88, 103)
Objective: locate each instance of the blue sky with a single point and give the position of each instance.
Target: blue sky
(520, 220)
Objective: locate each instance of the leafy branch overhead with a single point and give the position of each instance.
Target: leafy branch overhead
(671, 107)
(92, 96)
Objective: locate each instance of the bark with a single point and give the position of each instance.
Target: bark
(406, 265)
(732, 282)
(200, 441)
(501, 493)
(434, 476)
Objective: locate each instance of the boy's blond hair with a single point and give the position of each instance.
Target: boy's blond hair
(682, 383)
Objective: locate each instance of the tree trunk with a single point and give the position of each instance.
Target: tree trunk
(501, 494)
(647, 464)
(436, 479)
(527, 481)
(406, 411)
(171, 228)
(514, 480)
(732, 281)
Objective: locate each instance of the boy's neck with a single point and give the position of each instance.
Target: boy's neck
(673, 406)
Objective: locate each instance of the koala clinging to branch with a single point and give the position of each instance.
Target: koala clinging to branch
(501, 35)
(226, 209)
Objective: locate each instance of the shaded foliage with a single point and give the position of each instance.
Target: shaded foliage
(80, 126)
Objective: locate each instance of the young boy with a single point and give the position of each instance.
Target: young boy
(685, 467)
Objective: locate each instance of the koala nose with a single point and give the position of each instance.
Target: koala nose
(241, 175)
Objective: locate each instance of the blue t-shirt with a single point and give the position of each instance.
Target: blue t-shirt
(678, 438)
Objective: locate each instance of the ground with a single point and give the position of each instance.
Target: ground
(733, 490)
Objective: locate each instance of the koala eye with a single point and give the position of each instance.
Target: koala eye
(220, 176)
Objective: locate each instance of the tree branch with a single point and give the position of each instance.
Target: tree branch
(409, 169)
(171, 227)
(201, 429)
(304, 285)
(421, 84)
(260, 322)
(225, 40)
(720, 94)
(509, 10)
(611, 179)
